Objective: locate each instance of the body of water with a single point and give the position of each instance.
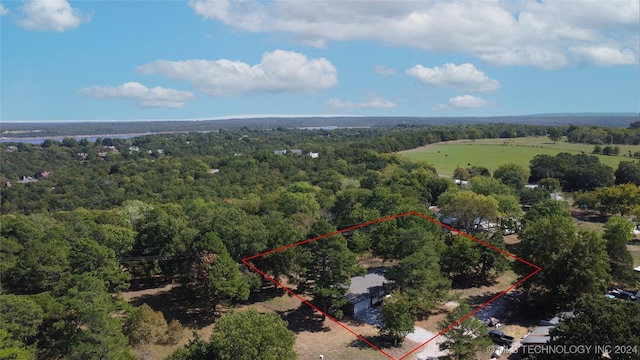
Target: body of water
(40, 140)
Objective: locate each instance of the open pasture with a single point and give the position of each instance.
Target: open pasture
(491, 153)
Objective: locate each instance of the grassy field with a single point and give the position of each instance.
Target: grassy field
(491, 153)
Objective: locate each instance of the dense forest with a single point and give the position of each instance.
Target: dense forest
(84, 220)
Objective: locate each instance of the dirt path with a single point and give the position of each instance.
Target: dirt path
(132, 295)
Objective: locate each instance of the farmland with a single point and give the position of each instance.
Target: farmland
(491, 153)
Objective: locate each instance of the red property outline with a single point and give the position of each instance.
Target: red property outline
(247, 259)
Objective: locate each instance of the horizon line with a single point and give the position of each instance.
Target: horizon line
(293, 116)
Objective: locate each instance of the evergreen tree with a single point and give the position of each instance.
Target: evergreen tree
(326, 268)
(214, 273)
(418, 276)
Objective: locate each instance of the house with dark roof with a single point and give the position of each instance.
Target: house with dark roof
(366, 291)
(540, 335)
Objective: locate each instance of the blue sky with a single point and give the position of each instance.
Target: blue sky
(126, 60)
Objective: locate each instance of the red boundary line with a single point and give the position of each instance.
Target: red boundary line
(247, 259)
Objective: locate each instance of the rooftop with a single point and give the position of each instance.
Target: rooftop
(363, 286)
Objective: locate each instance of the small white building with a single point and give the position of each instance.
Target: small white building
(314, 155)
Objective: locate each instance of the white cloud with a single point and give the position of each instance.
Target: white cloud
(603, 55)
(370, 102)
(278, 71)
(523, 33)
(383, 70)
(464, 77)
(3, 10)
(53, 15)
(465, 102)
(144, 96)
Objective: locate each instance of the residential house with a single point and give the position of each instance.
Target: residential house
(26, 179)
(5, 182)
(42, 174)
(540, 335)
(313, 155)
(366, 291)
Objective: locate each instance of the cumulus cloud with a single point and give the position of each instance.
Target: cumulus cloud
(465, 102)
(383, 70)
(527, 32)
(142, 95)
(603, 55)
(51, 15)
(278, 71)
(464, 77)
(369, 102)
(3, 10)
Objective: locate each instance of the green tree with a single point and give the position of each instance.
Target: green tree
(14, 350)
(396, 316)
(628, 173)
(418, 276)
(468, 207)
(546, 209)
(196, 349)
(617, 232)
(145, 326)
(248, 335)
(588, 177)
(460, 173)
(87, 256)
(555, 133)
(492, 262)
(572, 262)
(485, 185)
(460, 261)
(20, 317)
(476, 170)
(508, 207)
(550, 184)
(587, 200)
(90, 328)
(512, 174)
(619, 199)
(215, 275)
(598, 320)
(326, 267)
(465, 338)
(280, 232)
(597, 149)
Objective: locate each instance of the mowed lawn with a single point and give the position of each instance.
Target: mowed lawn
(491, 153)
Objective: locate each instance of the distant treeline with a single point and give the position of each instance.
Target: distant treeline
(60, 129)
(604, 135)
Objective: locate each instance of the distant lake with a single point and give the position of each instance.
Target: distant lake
(40, 140)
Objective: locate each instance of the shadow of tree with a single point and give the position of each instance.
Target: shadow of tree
(304, 318)
(510, 308)
(145, 283)
(379, 341)
(267, 292)
(182, 304)
(465, 282)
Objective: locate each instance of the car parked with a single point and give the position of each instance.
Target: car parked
(499, 338)
(623, 294)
